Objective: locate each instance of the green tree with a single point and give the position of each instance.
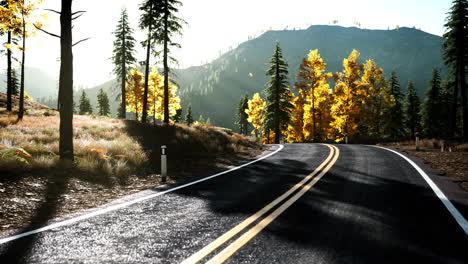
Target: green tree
(149, 20)
(160, 16)
(411, 110)
(14, 83)
(278, 96)
(189, 117)
(123, 55)
(242, 115)
(201, 119)
(103, 103)
(431, 108)
(395, 127)
(445, 103)
(178, 115)
(85, 105)
(456, 57)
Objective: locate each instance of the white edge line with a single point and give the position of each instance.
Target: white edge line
(450, 207)
(125, 204)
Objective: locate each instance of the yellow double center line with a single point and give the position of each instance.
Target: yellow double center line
(252, 232)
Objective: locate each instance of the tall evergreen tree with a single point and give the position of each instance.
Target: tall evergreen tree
(411, 110)
(456, 57)
(431, 108)
(279, 107)
(242, 115)
(85, 105)
(178, 115)
(189, 117)
(395, 126)
(149, 19)
(14, 83)
(123, 55)
(103, 103)
(445, 104)
(168, 26)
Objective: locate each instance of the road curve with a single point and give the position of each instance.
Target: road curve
(335, 204)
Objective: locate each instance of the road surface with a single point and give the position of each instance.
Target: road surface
(306, 203)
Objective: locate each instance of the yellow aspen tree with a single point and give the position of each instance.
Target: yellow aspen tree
(156, 96)
(377, 100)
(30, 21)
(313, 80)
(295, 132)
(348, 97)
(134, 92)
(255, 113)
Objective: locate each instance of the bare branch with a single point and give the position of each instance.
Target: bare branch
(55, 11)
(78, 42)
(73, 18)
(77, 12)
(52, 34)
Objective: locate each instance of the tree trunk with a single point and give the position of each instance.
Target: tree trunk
(66, 83)
(123, 114)
(313, 116)
(166, 68)
(9, 83)
(23, 57)
(145, 94)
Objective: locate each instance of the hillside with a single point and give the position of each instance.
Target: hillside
(37, 83)
(214, 89)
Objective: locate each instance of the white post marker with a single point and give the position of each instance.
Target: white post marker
(163, 164)
(346, 139)
(417, 142)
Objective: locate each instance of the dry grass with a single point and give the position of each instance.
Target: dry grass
(39, 136)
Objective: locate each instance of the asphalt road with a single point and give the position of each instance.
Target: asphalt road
(365, 205)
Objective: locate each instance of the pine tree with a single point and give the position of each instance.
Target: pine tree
(242, 115)
(411, 110)
(163, 25)
(456, 57)
(395, 127)
(188, 116)
(445, 103)
(178, 115)
(123, 55)
(14, 83)
(279, 107)
(431, 108)
(85, 105)
(103, 103)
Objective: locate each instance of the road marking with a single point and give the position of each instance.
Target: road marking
(234, 231)
(125, 204)
(450, 207)
(226, 253)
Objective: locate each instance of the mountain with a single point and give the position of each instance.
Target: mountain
(37, 83)
(214, 89)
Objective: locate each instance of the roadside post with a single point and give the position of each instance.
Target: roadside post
(163, 164)
(346, 139)
(417, 141)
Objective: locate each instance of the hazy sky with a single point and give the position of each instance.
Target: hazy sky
(215, 25)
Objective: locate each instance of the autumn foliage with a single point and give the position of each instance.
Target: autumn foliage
(356, 107)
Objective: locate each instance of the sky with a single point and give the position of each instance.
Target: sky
(216, 25)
